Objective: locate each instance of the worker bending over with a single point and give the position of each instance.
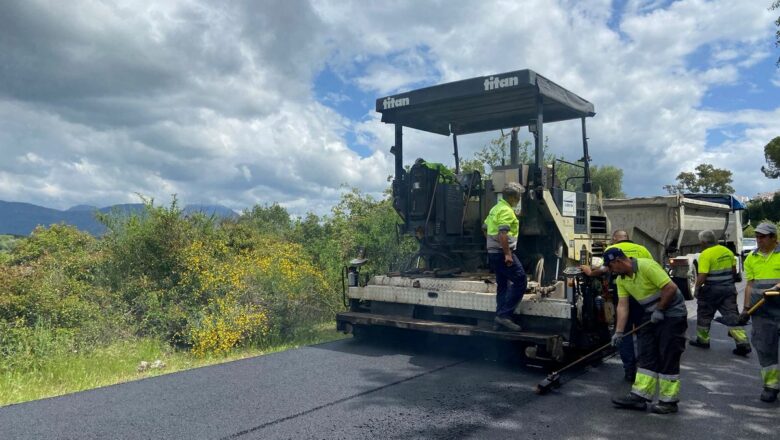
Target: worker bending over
(661, 344)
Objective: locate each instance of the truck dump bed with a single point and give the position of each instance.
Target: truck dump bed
(668, 225)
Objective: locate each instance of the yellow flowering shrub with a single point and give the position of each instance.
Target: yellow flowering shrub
(269, 288)
(290, 286)
(227, 324)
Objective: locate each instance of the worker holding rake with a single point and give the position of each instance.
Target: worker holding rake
(661, 344)
(762, 270)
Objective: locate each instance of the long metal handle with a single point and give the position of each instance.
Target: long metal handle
(599, 349)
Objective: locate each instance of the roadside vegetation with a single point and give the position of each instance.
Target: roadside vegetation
(78, 311)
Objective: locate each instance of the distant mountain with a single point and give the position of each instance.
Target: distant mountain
(209, 210)
(18, 218)
(82, 208)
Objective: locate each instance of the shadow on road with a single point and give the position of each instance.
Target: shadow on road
(480, 393)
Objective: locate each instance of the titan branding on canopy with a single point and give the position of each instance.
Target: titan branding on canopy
(493, 82)
(391, 102)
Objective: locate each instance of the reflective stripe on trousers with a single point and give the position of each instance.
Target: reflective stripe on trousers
(771, 377)
(660, 347)
(646, 382)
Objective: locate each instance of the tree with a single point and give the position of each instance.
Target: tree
(495, 153)
(764, 209)
(271, 219)
(706, 179)
(609, 179)
(772, 156)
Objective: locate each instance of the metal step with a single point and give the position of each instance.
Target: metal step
(444, 328)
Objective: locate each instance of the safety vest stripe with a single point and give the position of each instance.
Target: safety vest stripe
(721, 276)
(669, 376)
(765, 284)
(720, 282)
(650, 299)
(494, 245)
(719, 271)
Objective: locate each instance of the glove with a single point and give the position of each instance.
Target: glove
(617, 338)
(657, 316)
(744, 318)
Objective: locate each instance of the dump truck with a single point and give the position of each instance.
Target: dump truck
(668, 226)
(446, 288)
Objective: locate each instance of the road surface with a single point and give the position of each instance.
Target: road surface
(353, 390)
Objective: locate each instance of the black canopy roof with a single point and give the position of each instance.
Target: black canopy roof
(482, 104)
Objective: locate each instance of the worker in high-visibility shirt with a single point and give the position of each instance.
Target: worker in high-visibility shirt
(715, 291)
(762, 270)
(627, 349)
(501, 230)
(661, 344)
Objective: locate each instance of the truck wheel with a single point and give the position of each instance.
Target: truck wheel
(692, 274)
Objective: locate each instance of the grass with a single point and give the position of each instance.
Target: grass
(117, 363)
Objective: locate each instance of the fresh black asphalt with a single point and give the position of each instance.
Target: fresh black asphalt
(354, 390)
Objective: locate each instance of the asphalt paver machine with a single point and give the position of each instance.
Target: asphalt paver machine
(447, 287)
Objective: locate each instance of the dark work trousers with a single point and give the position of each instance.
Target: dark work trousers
(765, 340)
(508, 297)
(660, 347)
(716, 298)
(627, 349)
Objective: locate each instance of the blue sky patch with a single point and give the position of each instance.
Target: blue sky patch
(348, 100)
(716, 137)
(754, 90)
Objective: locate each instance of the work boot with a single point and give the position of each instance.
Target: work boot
(742, 350)
(769, 395)
(664, 408)
(697, 343)
(507, 323)
(629, 376)
(630, 401)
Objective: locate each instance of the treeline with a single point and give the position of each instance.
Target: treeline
(765, 209)
(195, 282)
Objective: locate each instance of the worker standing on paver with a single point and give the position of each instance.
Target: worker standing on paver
(762, 270)
(501, 230)
(626, 349)
(715, 291)
(660, 345)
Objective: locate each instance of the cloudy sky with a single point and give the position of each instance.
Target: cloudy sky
(254, 102)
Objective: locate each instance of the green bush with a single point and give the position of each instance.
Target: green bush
(360, 221)
(7, 243)
(191, 281)
(50, 278)
(24, 348)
